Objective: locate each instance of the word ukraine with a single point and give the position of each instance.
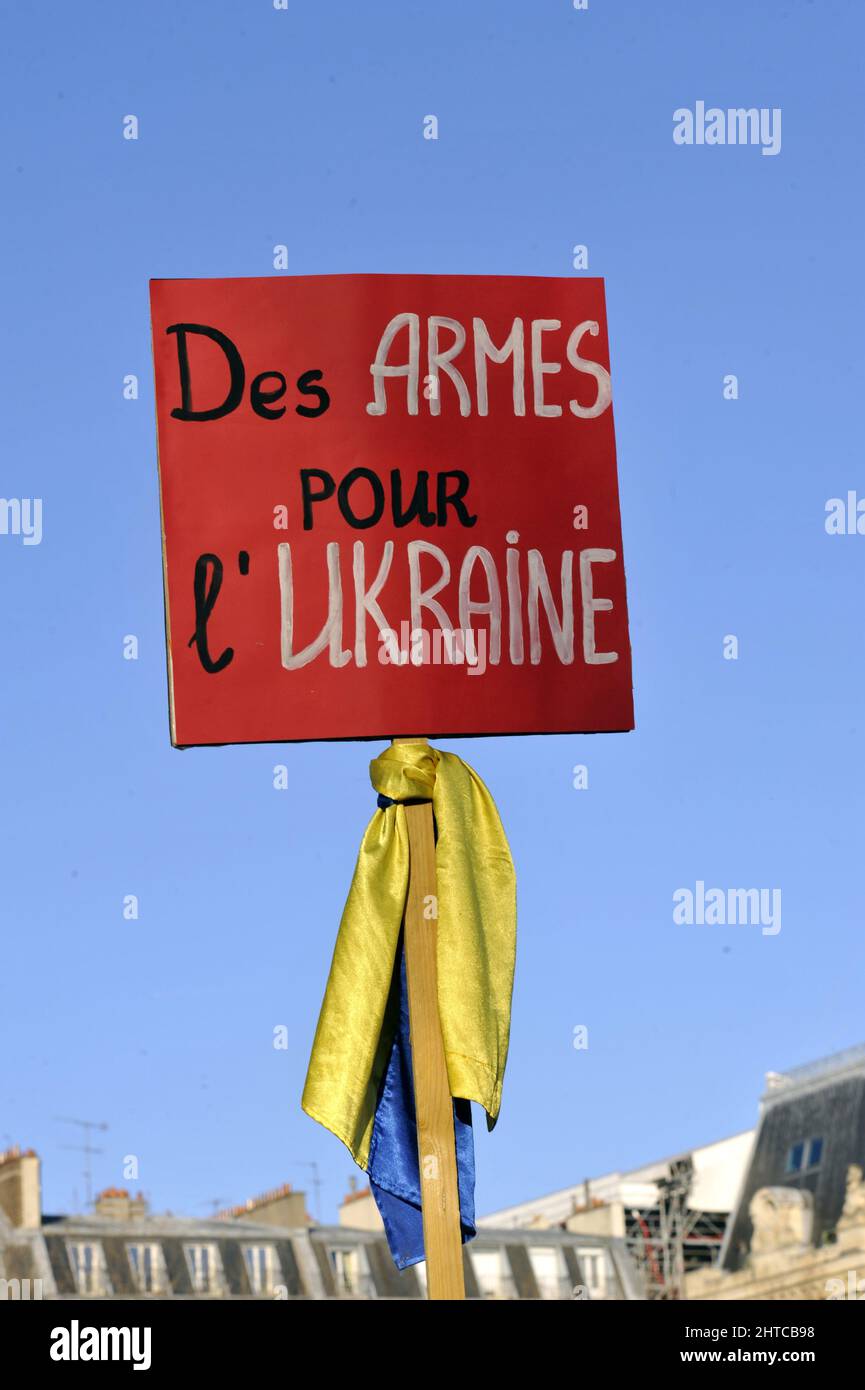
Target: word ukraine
(500, 600)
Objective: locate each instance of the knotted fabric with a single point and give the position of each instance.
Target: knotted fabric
(476, 942)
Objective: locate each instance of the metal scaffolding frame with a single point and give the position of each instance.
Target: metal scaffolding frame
(669, 1240)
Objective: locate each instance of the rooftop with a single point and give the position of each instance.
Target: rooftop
(798, 1078)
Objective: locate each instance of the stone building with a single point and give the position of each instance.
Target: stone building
(797, 1229)
(783, 1261)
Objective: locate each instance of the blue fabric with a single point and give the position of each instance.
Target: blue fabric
(393, 1158)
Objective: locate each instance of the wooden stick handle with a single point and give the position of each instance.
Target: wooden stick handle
(433, 1103)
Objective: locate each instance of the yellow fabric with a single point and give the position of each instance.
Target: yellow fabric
(476, 891)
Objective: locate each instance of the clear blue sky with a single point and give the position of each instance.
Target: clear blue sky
(304, 127)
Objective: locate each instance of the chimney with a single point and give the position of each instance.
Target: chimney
(20, 1188)
(281, 1206)
(117, 1205)
(359, 1210)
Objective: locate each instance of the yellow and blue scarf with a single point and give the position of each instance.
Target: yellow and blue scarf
(358, 1084)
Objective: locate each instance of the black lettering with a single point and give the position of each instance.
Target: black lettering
(259, 400)
(235, 364)
(304, 385)
(419, 504)
(309, 497)
(205, 598)
(361, 523)
(453, 499)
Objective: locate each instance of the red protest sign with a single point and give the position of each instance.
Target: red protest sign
(389, 506)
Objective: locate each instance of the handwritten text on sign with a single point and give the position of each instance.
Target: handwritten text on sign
(389, 507)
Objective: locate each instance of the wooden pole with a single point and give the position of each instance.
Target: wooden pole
(433, 1103)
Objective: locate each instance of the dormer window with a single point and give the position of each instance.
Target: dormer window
(804, 1156)
(148, 1268)
(88, 1267)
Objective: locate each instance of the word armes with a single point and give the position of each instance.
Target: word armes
(444, 360)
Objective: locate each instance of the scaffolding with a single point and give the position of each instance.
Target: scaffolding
(669, 1240)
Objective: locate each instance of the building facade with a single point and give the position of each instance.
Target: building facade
(267, 1248)
(797, 1228)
